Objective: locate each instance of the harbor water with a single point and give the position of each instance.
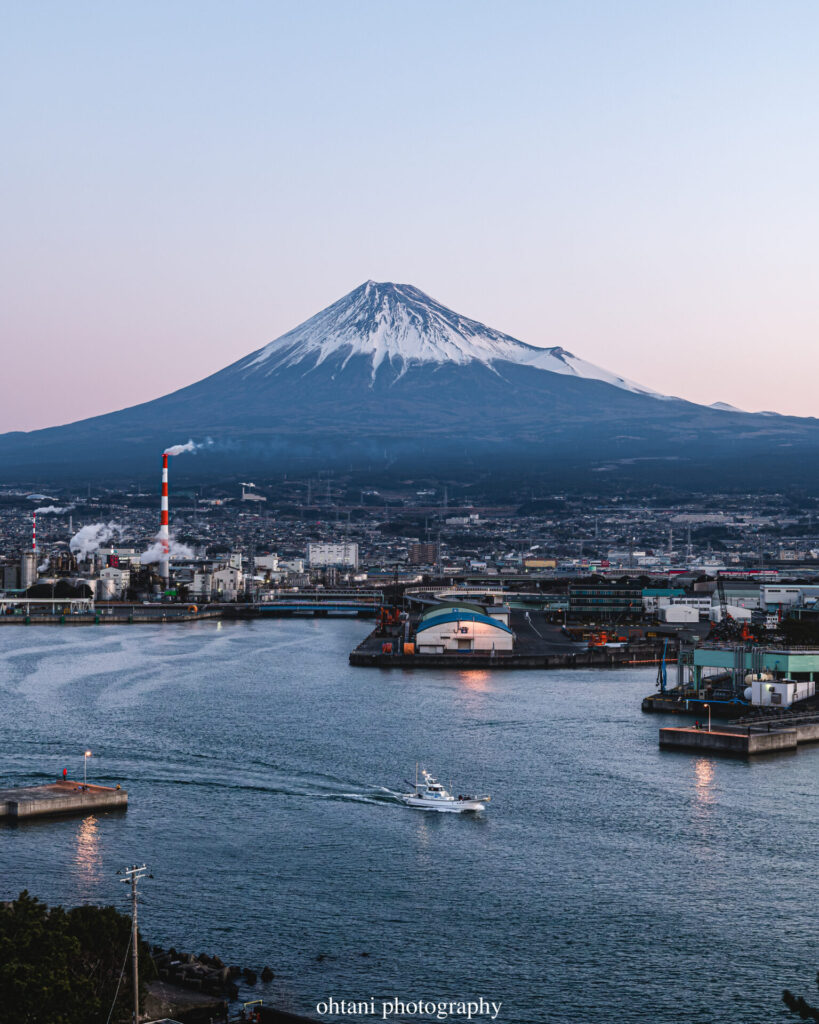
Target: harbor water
(608, 881)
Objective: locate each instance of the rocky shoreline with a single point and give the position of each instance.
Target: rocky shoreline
(199, 987)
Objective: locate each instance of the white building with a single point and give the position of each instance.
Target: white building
(779, 692)
(678, 613)
(267, 562)
(322, 555)
(227, 583)
(202, 584)
(462, 628)
(118, 580)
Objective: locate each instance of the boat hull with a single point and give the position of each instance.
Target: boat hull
(447, 806)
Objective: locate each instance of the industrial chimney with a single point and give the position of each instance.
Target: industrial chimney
(164, 535)
(28, 563)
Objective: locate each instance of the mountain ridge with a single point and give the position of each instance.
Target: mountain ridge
(386, 379)
(399, 323)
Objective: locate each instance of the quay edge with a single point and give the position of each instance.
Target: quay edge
(593, 658)
(58, 798)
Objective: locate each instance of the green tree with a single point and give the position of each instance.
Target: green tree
(62, 967)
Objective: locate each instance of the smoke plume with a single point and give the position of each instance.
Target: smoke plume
(53, 509)
(89, 538)
(191, 446)
(154, 552)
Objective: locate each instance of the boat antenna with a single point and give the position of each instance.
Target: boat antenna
(416, 775)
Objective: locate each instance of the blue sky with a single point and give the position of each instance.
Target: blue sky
(183, 182)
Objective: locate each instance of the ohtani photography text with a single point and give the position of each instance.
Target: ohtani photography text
(385, 1009)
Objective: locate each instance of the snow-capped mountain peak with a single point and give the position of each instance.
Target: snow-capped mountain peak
(399, 325)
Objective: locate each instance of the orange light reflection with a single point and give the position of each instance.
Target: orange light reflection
(704, 780)
(88, 856)
(475, 680)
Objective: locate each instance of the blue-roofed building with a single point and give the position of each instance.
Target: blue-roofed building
(462, 627)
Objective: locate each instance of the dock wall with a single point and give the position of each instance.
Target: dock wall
(593, 658)
(740, 740)
(46, 801)
(723, 742)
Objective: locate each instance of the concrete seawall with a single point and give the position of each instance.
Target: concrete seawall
(742, 741)
(593, 658)
(58, 798)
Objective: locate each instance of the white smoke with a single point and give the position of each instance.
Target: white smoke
(154, 552)
(191, 446)
(89, 538)
(44, 565)
(53, 509)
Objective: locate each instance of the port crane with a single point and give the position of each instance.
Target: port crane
(662, 674)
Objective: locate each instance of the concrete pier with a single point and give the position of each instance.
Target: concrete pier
(741, 740)
(58, 798)
(723, 741)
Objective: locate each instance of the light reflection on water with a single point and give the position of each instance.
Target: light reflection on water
(704, 780)
(476, 680)
(88, 854)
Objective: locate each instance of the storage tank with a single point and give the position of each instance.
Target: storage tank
(106, 589)
(28, 569)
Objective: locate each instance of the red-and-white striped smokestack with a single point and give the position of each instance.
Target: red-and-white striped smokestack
(34, 531)
(164, 535)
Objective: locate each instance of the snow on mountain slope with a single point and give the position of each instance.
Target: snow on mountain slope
(558, 360)
(398, 325)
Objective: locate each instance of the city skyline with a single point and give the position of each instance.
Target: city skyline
(632, 184)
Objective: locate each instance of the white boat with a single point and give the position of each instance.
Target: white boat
(430, 795)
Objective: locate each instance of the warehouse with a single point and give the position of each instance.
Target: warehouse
(462, 627)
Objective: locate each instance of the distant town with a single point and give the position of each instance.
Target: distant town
(68, 553)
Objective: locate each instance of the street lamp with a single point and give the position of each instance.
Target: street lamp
(85, 757)
(709, 715)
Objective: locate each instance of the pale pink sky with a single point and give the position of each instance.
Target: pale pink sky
(182, 183)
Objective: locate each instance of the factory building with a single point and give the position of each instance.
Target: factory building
(226, 583)
(114, 583)
(605, 601)
(655, 598)
(202, 584)
(339, 556)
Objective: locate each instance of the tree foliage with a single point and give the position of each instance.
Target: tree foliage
(62, 967)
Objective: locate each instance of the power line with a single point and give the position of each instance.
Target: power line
(119, 982)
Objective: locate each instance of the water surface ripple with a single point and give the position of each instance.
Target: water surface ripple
(608, 881)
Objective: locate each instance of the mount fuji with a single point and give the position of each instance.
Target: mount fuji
(388, 379)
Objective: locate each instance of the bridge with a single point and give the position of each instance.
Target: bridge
(321, 602)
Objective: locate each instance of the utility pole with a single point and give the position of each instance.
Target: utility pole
(133, 875)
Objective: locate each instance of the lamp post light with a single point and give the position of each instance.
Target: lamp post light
(709, 715)
(85, 757)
